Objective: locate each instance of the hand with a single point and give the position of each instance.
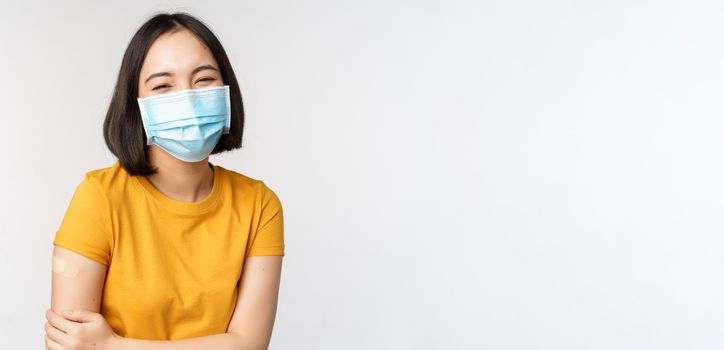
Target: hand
(79, 330)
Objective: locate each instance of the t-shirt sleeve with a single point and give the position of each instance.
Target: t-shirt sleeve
(86, 227)
(269, 236)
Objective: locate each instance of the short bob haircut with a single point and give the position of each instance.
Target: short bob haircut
(123, 127)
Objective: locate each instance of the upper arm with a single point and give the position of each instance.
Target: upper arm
(256, 304)
(77, 282)
(82, 250)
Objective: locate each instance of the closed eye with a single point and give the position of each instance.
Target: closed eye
(164, 86)
(161, 87)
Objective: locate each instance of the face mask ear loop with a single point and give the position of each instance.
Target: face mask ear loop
(227, 127)
(144, 120)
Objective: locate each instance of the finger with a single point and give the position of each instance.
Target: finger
(81, 316)
(59, 321)
(56, 334)
(52, 345)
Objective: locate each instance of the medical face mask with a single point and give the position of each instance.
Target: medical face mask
(187, 124)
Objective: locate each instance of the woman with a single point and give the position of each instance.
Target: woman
(164, 250)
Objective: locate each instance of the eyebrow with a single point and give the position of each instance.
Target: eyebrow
(193, 72)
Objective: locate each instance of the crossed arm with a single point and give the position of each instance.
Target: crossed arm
(250, 326)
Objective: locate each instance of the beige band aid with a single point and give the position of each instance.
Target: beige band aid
(64, 268)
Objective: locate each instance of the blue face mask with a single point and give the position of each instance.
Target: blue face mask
(187, 124)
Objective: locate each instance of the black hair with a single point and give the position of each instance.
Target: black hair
(123, 128)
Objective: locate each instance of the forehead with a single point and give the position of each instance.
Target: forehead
(176, 52)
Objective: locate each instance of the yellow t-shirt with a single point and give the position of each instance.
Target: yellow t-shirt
(173, 266)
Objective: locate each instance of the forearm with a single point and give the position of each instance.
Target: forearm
(223, 341)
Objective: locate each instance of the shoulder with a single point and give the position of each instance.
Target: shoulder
(107, 175)
(246, 184)
(107, 181)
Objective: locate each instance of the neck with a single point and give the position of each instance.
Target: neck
(179, 180)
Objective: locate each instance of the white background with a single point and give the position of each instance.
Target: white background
(454, 175)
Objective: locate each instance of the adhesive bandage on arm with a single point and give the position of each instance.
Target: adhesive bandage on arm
(64, 268)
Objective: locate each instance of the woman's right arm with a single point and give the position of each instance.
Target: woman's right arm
(77, 282)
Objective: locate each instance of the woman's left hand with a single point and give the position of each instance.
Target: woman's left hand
(79, 330)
